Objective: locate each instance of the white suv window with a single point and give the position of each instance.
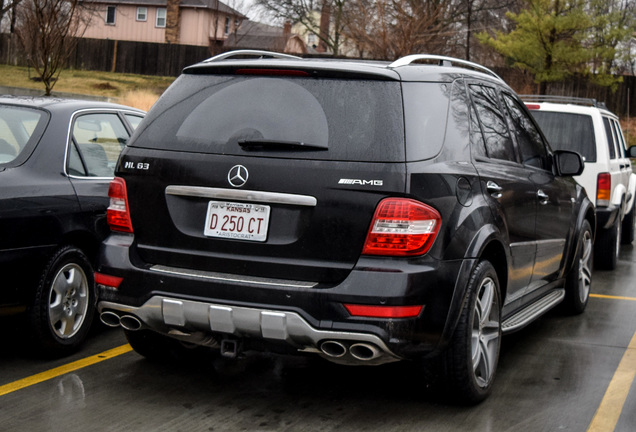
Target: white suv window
(610, 138)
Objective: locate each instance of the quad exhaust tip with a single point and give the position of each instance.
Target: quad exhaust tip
(128, 322)
(359, 351)
(111, 319)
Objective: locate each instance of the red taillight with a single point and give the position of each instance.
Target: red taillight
(533, 106)
(402, 227)
(603, 190)
(384, 311)
(106, 280)
(117, 213)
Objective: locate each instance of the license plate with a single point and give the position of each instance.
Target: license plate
(238, 221)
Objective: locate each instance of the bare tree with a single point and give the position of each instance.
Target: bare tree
(323, 18)
(47, 30)
(9, 6)
(388, 29)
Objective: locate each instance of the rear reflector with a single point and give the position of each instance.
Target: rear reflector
(106, 280)
(117, 213)
(402, 227)
(384, 311)
(533, 106)
(603, 189)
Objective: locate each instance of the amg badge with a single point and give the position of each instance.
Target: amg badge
(361, 182)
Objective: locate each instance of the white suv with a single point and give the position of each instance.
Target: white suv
(587, 127)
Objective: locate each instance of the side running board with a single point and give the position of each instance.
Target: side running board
(533, 311)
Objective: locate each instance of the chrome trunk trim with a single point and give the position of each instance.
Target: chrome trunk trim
(242, 195)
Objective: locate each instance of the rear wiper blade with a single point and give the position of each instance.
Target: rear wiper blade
(279, 145)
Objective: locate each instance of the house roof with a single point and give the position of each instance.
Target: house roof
(255, 35)
(213, 5)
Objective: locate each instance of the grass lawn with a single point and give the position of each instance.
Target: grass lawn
(129, 89)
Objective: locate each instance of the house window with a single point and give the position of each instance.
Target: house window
(110, 15)
(142, 14)
(227, 25)
(161, 17)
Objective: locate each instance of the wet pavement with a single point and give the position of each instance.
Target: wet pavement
(552, 376)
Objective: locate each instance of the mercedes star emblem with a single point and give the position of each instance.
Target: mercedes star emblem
(238, 176)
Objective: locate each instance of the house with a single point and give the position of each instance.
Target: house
(255, 35)
(187, 22)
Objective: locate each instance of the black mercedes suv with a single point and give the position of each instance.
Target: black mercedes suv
(365, 212)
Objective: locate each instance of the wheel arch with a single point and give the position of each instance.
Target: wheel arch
(588, 213)
(86, 241)
(487, 244)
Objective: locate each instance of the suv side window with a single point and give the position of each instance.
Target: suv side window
(531, 145)
(610, 138)
(493, 123)
(620, 142)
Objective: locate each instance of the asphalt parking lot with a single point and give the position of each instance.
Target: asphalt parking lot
(560, 373)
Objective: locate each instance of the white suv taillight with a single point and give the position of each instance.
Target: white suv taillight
(402, 227)
(603, 189)
(117, 213)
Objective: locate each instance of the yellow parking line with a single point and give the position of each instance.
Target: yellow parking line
(609, 411)
(64, 369)
(612, 297)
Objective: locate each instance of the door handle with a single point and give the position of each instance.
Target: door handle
(543, 197)
(494, 189)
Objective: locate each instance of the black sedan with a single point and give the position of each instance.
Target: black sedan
(57, 158)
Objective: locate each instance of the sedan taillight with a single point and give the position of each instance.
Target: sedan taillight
(117, 214)
(402, 227)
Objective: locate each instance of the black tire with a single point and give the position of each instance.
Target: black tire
(607, 246)
(63, 307)
(472, 357)
(578, 281)
(628, 226)
(162, 349)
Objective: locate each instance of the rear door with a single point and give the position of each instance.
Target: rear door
(509, 186)
(553, 195)
(264, 176)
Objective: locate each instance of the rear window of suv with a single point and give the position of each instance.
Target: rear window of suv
(332, 119)
(566, 131)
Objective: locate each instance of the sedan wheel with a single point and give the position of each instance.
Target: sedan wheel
(64, 302)
(68, 303)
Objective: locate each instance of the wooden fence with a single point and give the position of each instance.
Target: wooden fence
(169, 59)
(117, 56)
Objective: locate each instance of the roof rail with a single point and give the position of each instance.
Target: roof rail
(563, 99)
(442, 61)
(251, 53)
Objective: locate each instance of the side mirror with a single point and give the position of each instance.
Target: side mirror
(568, 163)
(631, 152)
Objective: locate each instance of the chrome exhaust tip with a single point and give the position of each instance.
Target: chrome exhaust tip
(333, 349)
(111, 319)
(130, 323)
(364, 352)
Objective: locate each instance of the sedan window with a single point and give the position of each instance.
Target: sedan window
(18, 127)
(97, 141)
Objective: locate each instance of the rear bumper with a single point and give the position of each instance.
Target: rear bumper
(165, 315)
(606, 216)
(200, 306)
